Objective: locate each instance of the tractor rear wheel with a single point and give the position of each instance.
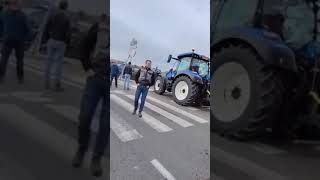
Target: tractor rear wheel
(185, 91)
(159, 86)
(246, 96)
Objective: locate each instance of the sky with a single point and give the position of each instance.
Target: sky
(161, 27)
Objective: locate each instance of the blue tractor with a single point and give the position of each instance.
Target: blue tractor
(188, 81)
(266, 69)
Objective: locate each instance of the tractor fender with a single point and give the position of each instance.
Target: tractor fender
(195, 77)
(271, 49)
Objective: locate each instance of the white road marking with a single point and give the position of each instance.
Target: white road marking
(317, 148)
(4, 95)
(151, 121)
(192, 109)
(122, 129)
(31, 96)
(180, 111)
(171, 107)
(166, 114)
(72, 114)
(38, 130)
(215, 177)
(266, 149)
(248, 167)
(35, 70)
(163, 171)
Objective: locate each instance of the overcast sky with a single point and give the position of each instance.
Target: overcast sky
(161, 27)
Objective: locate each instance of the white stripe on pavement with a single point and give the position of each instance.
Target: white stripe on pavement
(3, 95)
(72, 114)
(215, 177)
(248, 167)
(266, 149)
(38, 130)
(185, 113)
(165, 173)
(166, 114)
(122, 129)
(180, 111)
(31, 96)
(151, 121)
(39, 72)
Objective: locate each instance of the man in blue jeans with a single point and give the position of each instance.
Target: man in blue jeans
(145, 78)
(95, 62)
(58, 32)
(127, 76)
(115, 72)
(15, 30)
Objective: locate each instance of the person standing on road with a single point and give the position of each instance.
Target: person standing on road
(15, 31)
(114, 74)
(95, 63)
(58, 31)
(145, 78)
(127, 76)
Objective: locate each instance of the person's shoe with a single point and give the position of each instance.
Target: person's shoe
(58, 88)
(78, 159)
(134, 112)
(140, 115)
(96, 169)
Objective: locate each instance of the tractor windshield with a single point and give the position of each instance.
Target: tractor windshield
(292, 19)
(299, 23)
(203, 66)
(238, 17)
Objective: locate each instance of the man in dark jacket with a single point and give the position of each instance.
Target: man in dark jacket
(95, 62)
(15, 31)
(58, 32)
(127, 76)
(114, 74)
(145, 78)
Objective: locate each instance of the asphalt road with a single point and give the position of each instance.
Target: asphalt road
(264, 160)
(168, 142)
(38, 130)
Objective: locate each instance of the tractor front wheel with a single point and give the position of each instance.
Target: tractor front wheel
(159, 86)
(185, 91)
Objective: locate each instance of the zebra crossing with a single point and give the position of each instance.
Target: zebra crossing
(159, 112)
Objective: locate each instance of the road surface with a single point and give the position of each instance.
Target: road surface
(38, 130)
(169, 141)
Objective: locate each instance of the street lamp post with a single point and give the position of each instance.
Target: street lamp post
(132, 52)
(36, 45)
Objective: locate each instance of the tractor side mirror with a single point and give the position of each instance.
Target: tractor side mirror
(169, 58)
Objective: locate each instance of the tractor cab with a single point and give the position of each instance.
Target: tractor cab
(188, 79)
(189, 63)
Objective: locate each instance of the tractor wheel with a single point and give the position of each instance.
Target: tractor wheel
(246, 96)
(159, 86)
(185, 92)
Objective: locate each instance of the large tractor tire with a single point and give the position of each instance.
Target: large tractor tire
(247, 93)
(160, 85)
(185, 91)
